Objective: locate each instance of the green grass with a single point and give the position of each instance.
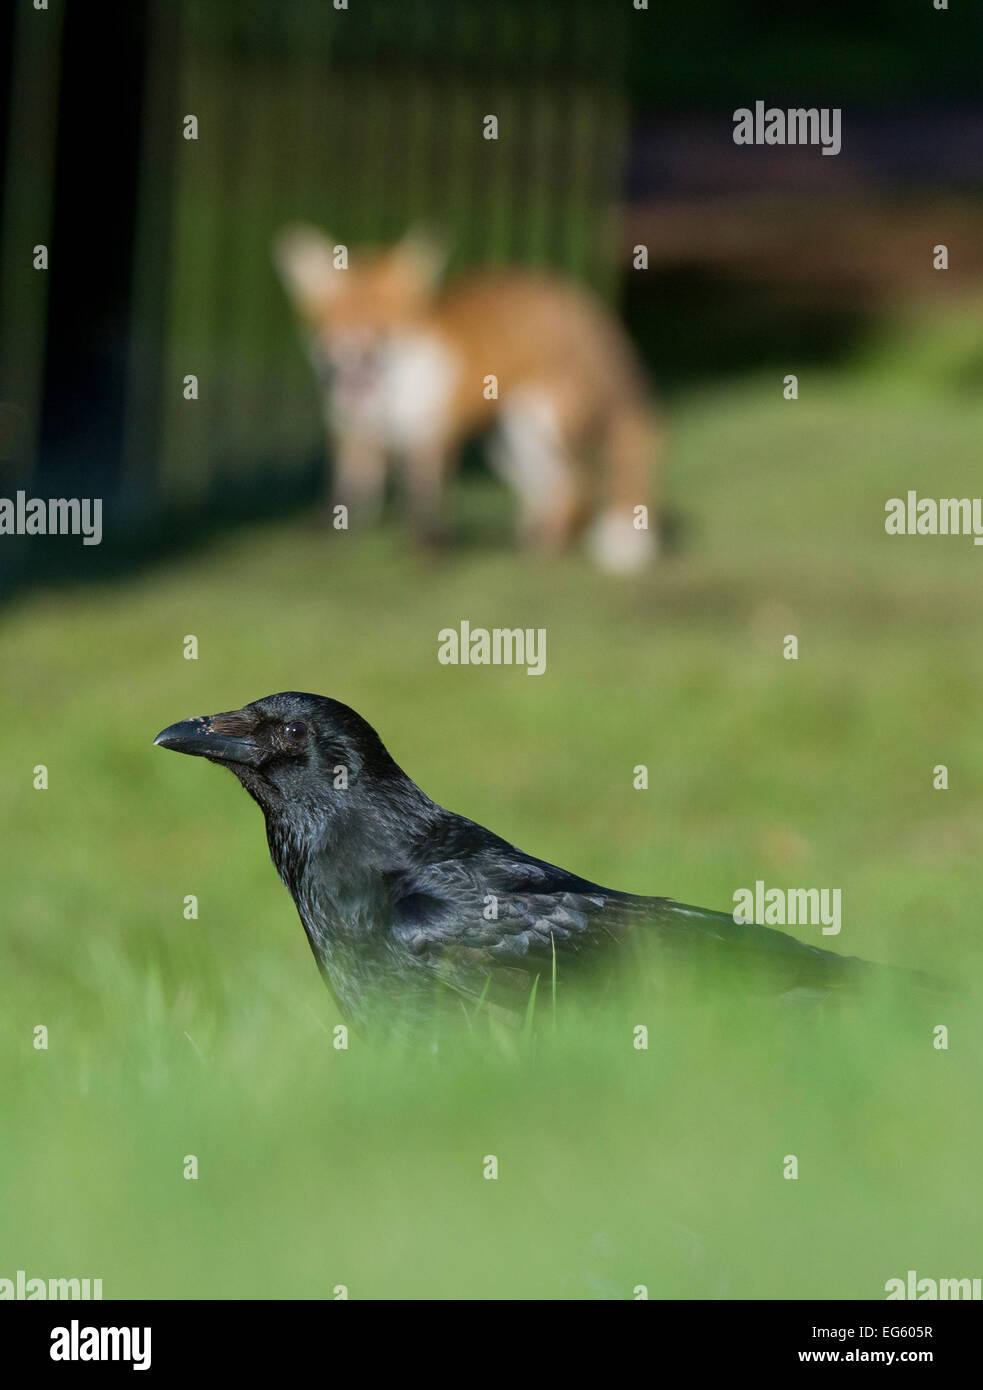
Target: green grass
(618, 1167)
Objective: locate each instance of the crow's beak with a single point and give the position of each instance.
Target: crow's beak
(222, 738)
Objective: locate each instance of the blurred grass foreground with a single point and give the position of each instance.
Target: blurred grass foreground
(170, 1036)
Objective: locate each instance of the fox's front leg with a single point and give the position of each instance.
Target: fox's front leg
(359, 477)
(531, 453)
(425, 469)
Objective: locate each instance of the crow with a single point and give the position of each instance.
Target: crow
(409, 907)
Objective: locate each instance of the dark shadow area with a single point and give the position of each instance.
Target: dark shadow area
(97, 174)
(693, 326)
(133, 542)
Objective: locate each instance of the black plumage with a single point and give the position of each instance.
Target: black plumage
(408, 906)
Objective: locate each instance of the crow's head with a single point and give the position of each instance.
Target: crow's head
(288, 749)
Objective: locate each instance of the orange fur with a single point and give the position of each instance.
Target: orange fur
(409, 367)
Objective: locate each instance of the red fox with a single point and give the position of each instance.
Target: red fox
(410, 371)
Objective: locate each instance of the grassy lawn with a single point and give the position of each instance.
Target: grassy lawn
(213, 1037)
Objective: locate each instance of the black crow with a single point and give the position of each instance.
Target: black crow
(406, 905)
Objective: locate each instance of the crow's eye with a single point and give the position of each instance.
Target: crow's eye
(296, 731)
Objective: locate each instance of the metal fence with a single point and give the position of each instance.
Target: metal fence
(363, 120)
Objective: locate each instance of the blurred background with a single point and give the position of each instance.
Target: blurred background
(615, 130)
(212, 1035)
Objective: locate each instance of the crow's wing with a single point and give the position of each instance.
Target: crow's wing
(504, 916)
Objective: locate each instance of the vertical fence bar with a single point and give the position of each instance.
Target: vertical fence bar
(195, 281)
(150, 304)
(26, 223)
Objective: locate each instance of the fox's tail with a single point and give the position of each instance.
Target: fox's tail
(624, 536)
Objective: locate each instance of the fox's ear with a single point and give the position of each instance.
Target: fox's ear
(306, 262)
(420, 258)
